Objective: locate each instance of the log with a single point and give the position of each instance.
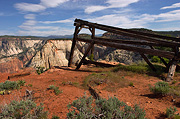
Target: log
(125, 33)
(77, 30)
(133, 42)
(132, 31)
(19, 75)
(155, 52)
(172, 70)
(148, 62)
(98, 63)
(83, 58)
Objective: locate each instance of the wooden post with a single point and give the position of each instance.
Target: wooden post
(171, 71)
(83, 58)
(73, 45)
(148, 62)
(92, 37)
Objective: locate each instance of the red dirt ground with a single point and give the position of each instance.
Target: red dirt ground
(57, 104)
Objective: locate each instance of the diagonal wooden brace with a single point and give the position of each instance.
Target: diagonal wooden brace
(83, 58)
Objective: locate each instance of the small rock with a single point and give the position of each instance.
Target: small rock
(128, 103)
(148, 102)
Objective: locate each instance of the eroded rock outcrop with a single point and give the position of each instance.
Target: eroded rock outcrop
(55, 53)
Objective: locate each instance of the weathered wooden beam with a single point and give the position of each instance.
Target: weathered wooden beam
(73, 45)
(85, 54)
(137, 32)
(155, 52)
(18, 75)
(171, 71)
(98, 63)
(92, 36)
(148, 62)
(133, 42)
(126, 33)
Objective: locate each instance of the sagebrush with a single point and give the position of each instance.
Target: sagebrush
(84, 108)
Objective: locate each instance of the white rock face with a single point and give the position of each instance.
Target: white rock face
(55, 53)
(14, 47)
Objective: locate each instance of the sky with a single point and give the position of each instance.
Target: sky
(56, 17)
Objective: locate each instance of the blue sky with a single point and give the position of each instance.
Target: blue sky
(56, 17)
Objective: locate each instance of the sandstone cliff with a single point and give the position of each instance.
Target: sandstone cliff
(55, 53)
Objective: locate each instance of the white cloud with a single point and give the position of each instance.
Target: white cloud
(111, 4)
(176, 5)
(52, 3)
(120, 3)
(168, 16)
(92, 9)
(29, 23)
(28, 7)
(44, 4)
(30, 16)
(60, 21)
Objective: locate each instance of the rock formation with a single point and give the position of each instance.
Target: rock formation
(55, 53)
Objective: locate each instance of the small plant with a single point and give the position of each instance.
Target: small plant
(10, 85)
(30, 85)
(56, 89)
(160, 88)
(131, 84)
(55, 117)
(91, 57)
(26, 109)
(170, 113)
(40, 70)
(21, 82)
(84, 108)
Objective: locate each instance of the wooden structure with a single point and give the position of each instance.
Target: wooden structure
(149, 40)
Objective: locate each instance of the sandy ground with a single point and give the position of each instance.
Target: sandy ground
(57, 104)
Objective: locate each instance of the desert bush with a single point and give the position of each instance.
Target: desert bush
(170, 113)
(40, 70)
(11, 85)
(55, 117)
(56, 89)
(24, 109)
(160, 88)
(84, 108)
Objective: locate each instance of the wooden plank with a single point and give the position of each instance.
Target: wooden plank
(133, 42)
(73, 45)
(155, 52)
(92, 36)
(172, 70)
(98, 63)
(148, 62)
(83, 58)
(125, 33)
(135, 32)
(19, 75)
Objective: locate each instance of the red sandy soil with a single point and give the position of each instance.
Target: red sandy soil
(57, 104)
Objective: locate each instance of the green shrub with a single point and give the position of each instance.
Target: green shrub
(83, 108)
(55, 117)
(131, 84)
(24, 109)
(40, 69)
(160, 88)
(170, 113)
(11, 85)
(21, 82)
(56, 89)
